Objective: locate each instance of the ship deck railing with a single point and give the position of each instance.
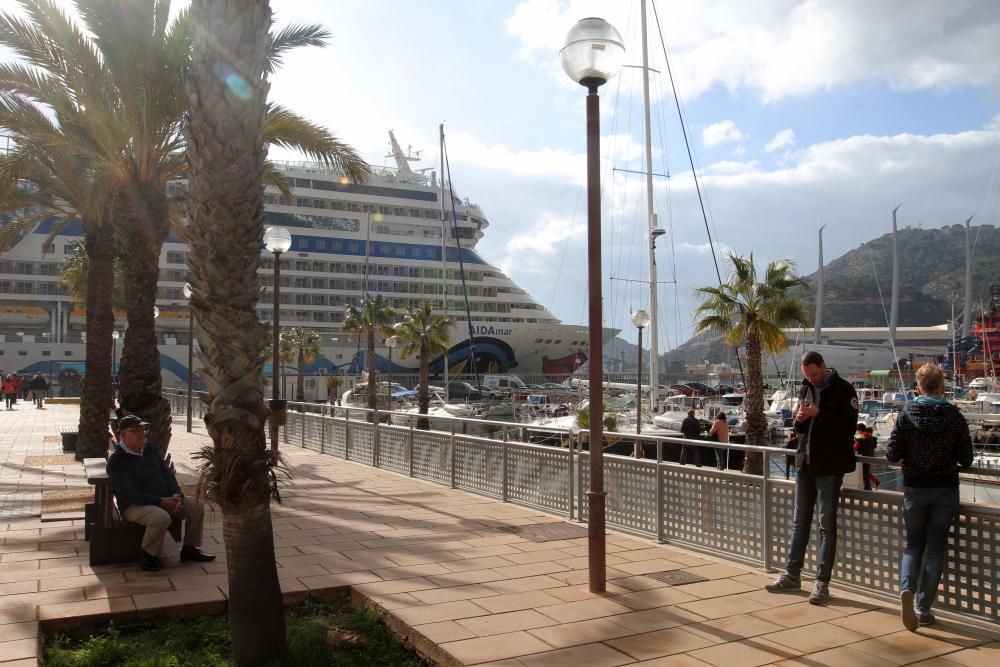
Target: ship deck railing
(746, 518)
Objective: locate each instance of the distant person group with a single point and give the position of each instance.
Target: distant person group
(15, 385)
(931, 439)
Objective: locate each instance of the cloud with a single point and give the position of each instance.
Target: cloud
(994, 123)
(721, 133)
(781, 140)
(782, 48)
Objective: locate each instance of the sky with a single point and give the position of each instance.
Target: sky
(798, 114)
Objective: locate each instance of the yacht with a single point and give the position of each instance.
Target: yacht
(401, 235)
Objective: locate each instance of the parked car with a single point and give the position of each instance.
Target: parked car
(488, 392)
(702, 388)
(457, 389)
(554, 385)
(683, 389)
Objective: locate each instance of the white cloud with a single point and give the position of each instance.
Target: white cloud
(783, 48)
(781, 140)
(721, 133)
(994, 123)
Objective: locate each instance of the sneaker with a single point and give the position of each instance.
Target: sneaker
(925, 618)
(784, 582)
(906, 611)
(821, 593)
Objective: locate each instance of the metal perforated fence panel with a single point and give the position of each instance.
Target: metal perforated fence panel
(392, 448)
(631, 492)
(362, 442)
(538, 476)
(431, 456)
(479, 466)
(312, 436)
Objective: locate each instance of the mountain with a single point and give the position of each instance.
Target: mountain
(932, 277)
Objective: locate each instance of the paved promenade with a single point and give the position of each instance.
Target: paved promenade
(466, 579)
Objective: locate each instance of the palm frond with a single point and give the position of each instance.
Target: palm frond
(292, 37)
(289, 130)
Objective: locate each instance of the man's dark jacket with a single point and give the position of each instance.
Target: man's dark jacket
(691, 428)
(141, 480)
(831, 442)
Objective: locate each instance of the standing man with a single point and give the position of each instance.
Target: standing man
(691, 429)
(148, 494)
(824, 424)
(39, 386)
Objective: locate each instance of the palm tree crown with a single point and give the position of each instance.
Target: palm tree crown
(374, 317)
(426, 334)
(752, 312)
(301, 346)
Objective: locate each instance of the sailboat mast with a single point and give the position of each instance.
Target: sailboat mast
(894, 308)
(967, 308)
(444, 251)
(818, 330)
(654, 320)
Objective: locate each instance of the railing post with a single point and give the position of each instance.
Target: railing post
(569, 473)
(347, 434)
(303, 429)
(503, 462)
(322, 434)
(409, 448)
(765, 522)
(660, 536)
(451, 454)
(579, 476)
(375, 439)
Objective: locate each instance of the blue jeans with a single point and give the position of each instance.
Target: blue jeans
(928, 514)
(812, 491)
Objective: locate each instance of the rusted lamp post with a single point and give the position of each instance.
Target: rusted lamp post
(593, 54)
(276, 240)
(640, 319)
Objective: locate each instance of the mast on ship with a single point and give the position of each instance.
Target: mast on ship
(403, 160)
(894, 308)
(444, 250)
(818, 327)
(654, 362)
(967, 308)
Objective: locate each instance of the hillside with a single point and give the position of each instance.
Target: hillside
(932, 274)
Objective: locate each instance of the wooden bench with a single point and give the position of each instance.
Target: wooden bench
(113, 539)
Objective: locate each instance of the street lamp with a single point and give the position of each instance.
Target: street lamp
(277, 240)
(188, 292)
(593, 54)
(114, 355)
(391, 342)
(640, 319)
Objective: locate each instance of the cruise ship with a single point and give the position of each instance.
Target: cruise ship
(392, 236)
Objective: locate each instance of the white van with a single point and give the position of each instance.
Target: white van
(503, 382)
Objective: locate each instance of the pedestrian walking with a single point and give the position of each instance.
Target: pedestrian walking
(39, 388)
(720, 429)
(9, 391)
(17, 386)
(691, 429)
(931, 438)
(824, 425)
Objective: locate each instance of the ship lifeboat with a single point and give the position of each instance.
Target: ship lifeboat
(24, 315)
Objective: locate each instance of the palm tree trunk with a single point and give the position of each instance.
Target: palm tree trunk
(372, 372)
(423, 398)
(141, 228)
(96, 399)
(300, 390)
(756, 422)
(227, 92)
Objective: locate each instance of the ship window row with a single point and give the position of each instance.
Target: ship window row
(31, 287)
(362, 207)
(377, 190)
(334, 317)
(30, 268)
(353, 268)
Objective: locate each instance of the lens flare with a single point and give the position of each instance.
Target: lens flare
(236, 83)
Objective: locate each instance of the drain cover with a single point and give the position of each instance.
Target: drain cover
(547, 532)
(676, 577)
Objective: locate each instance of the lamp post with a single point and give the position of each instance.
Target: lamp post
(640, 319)
(114, 355)
(277, 240)
(593, 54)
(391, 342)
(190, 369)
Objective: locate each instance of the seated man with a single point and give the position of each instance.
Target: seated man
(148, 494)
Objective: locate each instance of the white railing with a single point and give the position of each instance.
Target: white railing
(725, 512)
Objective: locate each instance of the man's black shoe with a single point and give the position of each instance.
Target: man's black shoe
(196, 555)
(149, 563)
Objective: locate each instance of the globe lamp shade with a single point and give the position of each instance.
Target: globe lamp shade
(593, 53)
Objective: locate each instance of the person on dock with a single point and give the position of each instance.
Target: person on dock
(10, 391)
(691, 429)
(865, 443)
(931, 438)
(824, 425)
(720, 429)
(148, 494)
(39, 386)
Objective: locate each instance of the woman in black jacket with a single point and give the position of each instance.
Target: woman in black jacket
(931, 438)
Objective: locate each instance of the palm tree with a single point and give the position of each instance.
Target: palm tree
(426, 334)
(126, 71)
(226, 153)
(374, 317)
(302, 346)
(753, 314)
(75, 276)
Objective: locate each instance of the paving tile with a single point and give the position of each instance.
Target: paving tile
(682, 660)
(447, 611)
(792, 616)
(954, 633)
(717, 571)
(582, 610)
(987, 655)
(836, 657)
(656, 619)
(339, 580)
(14, 631)
(444, 631)
(523, 584)
(494, 647)
(747, 653)
(720, 607)
(592, 655)
(582, 632)
(515, 601)
(732, 628)
(816, 637)
(188, 603)
(871, 623)
(904, 647)
(437, 595)
(655, 597)
(716, 588)
(19, 649)
(659, 643)
(511, 621)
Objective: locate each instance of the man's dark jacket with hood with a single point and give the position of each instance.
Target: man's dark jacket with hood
(829, 436)
(932, 440)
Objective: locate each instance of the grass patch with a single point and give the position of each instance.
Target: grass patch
(319, 634)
